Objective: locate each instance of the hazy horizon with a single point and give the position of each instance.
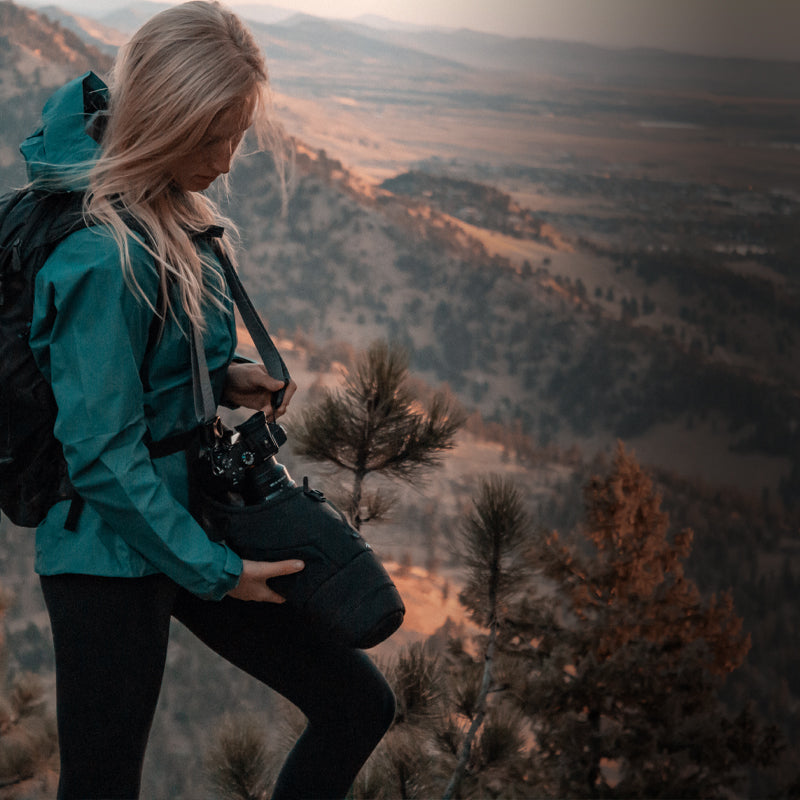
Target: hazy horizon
(727, 28)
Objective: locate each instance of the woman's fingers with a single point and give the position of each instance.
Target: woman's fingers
(255, 574)
(251, 386)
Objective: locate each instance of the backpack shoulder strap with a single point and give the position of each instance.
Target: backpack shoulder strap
(32, 223)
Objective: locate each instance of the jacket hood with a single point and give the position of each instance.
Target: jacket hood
(61, 151)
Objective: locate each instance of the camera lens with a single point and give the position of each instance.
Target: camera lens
(268, 479)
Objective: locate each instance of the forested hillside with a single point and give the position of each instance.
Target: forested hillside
(516, 342)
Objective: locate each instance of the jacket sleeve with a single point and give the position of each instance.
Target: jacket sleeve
(89, 333)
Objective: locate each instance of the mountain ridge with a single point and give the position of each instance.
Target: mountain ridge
(26, 30)
(529, 54)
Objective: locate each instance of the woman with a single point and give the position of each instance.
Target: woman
(112, 313)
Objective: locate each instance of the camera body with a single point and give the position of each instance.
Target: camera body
(240, 463)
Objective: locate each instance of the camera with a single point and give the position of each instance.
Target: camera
(240, 464)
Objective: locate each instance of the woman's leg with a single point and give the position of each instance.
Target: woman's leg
(348, 704)
(110, 637)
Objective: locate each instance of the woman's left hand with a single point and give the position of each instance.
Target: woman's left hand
(251, 386)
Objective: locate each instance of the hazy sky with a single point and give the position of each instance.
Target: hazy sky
(757, 28)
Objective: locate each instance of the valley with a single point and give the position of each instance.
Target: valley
(640, 188)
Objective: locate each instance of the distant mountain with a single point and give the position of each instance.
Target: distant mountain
(310, 47)
(472, 48)
(36, 55)
(26, 34)
(104, 37)
(633, 67)
(640, 67)
(356, 44)
(378, 22)
(98, 9)
(92, 8)
(262, 12)
(306, 54)
(129, 17)
(314, 58)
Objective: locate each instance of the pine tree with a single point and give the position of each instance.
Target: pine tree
(490, 545)
(447, 737)
(238, 763)
(623, 658)
(377, 425)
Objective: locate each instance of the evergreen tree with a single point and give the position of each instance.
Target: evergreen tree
(376, 424)
(448, 739)
(623, 659)
(237, 763)
(490, 545)
(244, 758)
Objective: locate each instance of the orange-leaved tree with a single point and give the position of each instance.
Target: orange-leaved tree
(623, 658)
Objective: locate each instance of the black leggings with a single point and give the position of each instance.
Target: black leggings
(110, 637)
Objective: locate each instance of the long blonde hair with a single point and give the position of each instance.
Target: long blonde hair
(181, 69)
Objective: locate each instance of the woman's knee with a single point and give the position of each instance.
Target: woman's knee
(362, 699)
(377, 703)
(389, 705)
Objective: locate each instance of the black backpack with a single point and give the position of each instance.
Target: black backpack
(33, 473)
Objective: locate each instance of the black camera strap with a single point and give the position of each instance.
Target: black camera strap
(204, 405)
(270, 357)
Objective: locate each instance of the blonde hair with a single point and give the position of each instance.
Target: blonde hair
(181, 69)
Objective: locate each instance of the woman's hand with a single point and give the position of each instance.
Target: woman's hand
(255, 574)
(251, 386)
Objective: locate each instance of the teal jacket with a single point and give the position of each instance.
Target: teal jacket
(89, 336)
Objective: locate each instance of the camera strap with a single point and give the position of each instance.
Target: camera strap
(204, 405)
(270, 357)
